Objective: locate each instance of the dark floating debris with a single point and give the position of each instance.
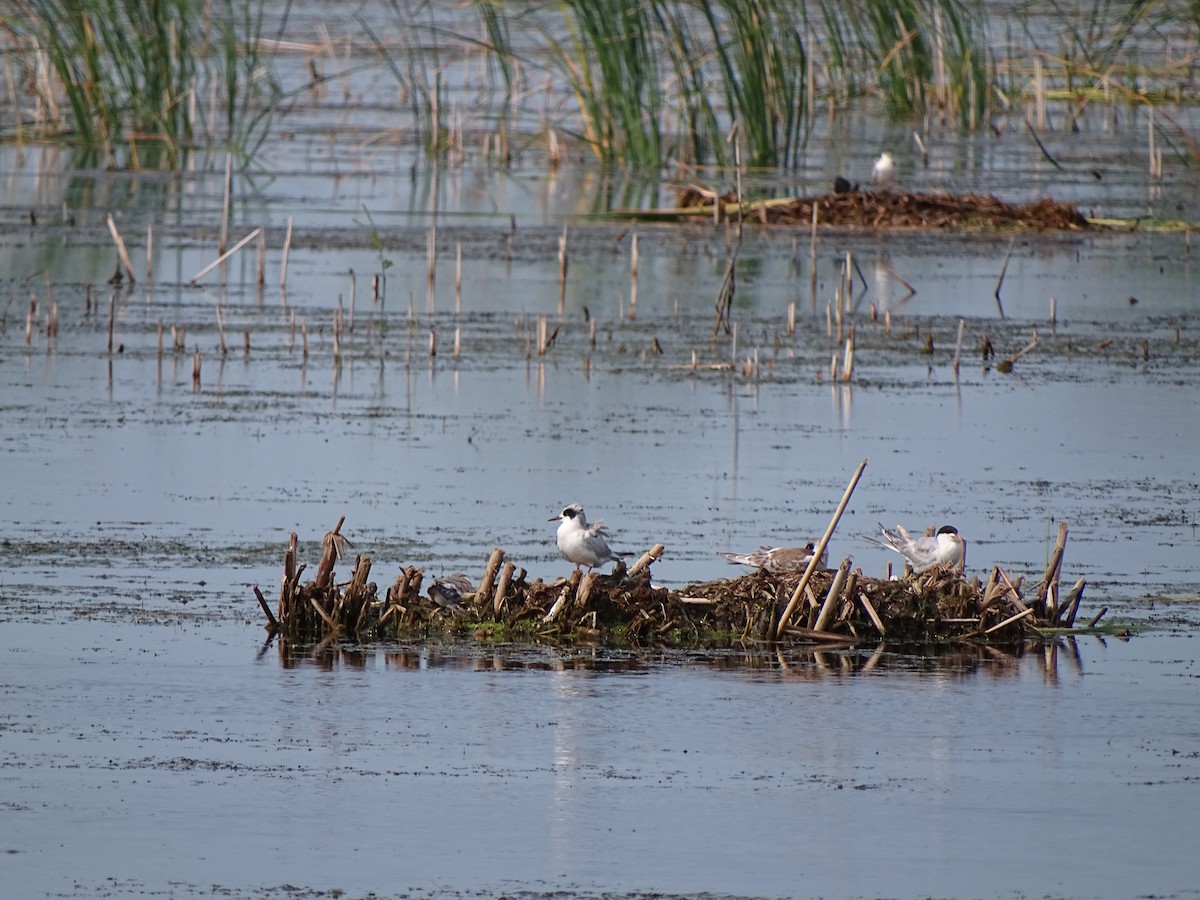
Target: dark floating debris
(839, 607)
(885, 209)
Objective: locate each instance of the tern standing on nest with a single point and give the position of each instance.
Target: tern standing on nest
(884, 173)
(579, 542)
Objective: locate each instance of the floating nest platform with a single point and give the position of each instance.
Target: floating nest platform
(883, 209)
(834, 607)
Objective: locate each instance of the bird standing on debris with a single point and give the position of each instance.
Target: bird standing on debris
(579, 542)
(884, 173)
(942, 549)
(779, 560)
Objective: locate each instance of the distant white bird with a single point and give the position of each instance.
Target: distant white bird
(884, 173)
(942, 549)
(779, 560)
(579, 542)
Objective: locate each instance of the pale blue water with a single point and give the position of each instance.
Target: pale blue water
(175, 760)
(148, 747)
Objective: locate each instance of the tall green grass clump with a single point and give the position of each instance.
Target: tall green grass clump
(124, 81)
(659, 79)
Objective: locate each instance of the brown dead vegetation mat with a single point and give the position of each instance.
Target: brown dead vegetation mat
(892, 209)
(837, 607)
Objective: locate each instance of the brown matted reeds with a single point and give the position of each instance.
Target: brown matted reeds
(838, 607)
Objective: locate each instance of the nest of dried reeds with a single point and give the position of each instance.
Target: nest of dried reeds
(837, 607)
(894, 209)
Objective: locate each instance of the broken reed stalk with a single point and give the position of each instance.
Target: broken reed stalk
(1053, 571)
(457, 279)
(958, 345)
(1028, 611)
(224, 256)
(563, 265)
(812, 261)
(818, 552)
(1004, 268)
(112, 317)
(121, 251)
(272, 626)
(872, 614)
(287, 249)
(431, 251)
(502, 589)
(835, 592)
(644, 561)
(483, 595)
(1070, 605)
(329, 556)
(150, 252)
(261, 262)
(221, 331)
(633, 277)
(225, 203)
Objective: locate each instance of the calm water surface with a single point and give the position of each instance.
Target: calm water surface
(178, 761)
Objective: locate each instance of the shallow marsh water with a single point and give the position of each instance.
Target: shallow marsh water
(149, 745)
(171, 760)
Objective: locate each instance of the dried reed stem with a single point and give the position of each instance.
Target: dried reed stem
(225, 203)
(835, 591)
(483, 596)
(1053, 571)
(1003, 269)
(644, 561)
(1013, 618)
(502, 590)
(121, 251)
(818, 552)
(287, 249)
(224, 256)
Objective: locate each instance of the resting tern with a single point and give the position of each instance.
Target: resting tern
(579, 542)
(942, 549)
(884, 173)
(779, 560)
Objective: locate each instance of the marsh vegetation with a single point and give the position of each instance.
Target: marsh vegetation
(642, 85)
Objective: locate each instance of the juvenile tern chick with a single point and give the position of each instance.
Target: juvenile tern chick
(942, 549)
(779, 560)
(884, 173)
(579, 542)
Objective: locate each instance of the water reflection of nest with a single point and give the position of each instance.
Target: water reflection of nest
(841, 607)
(896, 209)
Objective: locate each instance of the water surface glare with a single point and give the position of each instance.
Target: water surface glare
(434, 771)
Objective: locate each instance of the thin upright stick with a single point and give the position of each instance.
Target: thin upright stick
(287, 248)
(1000, 281)
(458, 278)
(225, 204)
(818, 552)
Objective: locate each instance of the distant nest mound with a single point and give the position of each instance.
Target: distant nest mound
(892, 209)
(836, 607)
